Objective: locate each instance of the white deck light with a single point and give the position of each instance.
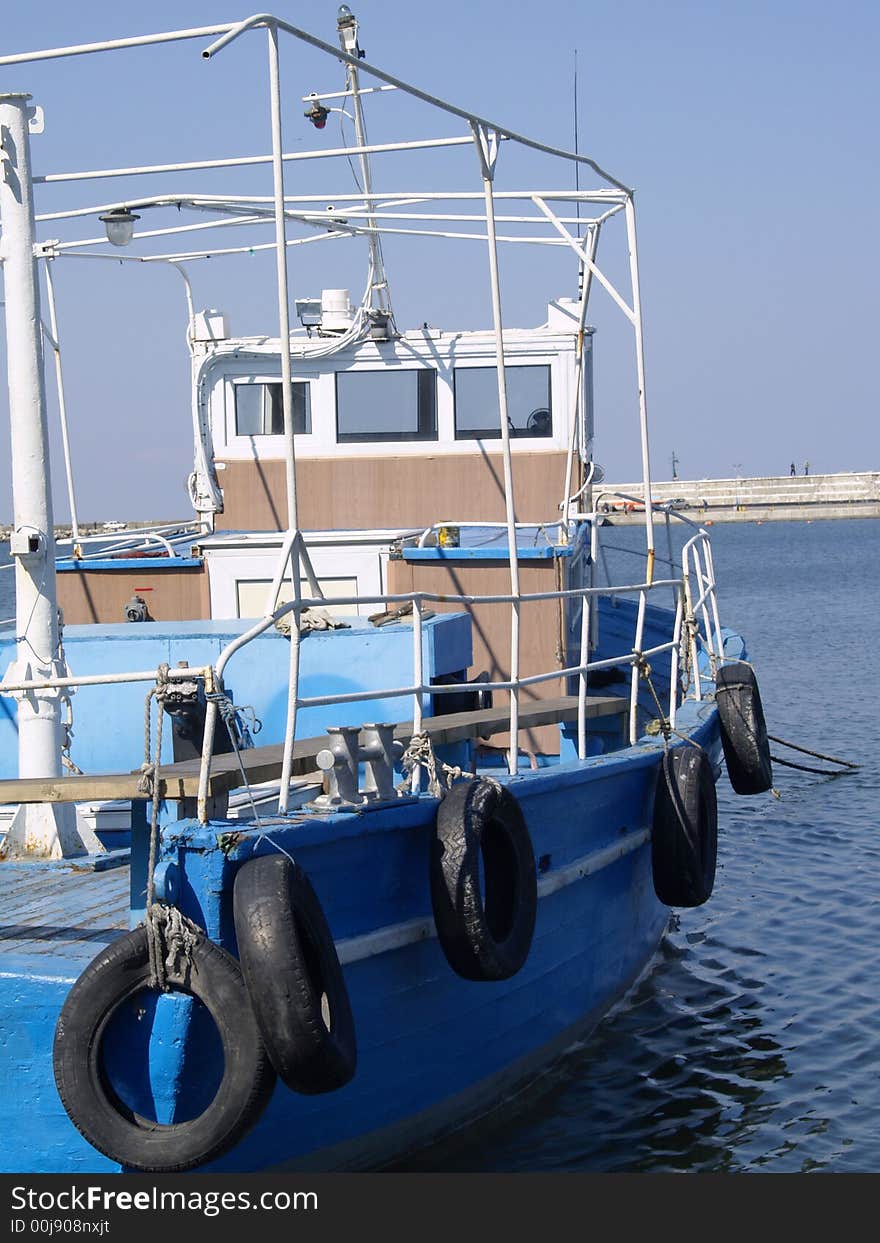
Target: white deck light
(119, 224)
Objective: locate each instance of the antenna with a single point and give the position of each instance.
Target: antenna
(577, 172)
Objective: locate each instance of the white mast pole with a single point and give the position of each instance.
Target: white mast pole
(39, 831)
(348, 38)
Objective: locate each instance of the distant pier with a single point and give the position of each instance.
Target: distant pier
(768, 498)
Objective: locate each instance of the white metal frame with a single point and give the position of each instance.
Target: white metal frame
(372, 214)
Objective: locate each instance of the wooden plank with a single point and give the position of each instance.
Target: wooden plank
(181, 781)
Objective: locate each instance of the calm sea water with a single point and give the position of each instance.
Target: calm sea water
(754, 1043)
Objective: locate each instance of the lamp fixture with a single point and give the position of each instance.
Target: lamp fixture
(119, 224)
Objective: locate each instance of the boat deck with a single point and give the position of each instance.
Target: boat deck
(55, 911)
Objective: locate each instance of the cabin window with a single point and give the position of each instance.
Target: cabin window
(259, 410)
(386, 405)
(476, 402)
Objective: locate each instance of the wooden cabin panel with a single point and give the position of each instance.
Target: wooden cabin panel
(382, 492)
(101, 595)
(541, 625)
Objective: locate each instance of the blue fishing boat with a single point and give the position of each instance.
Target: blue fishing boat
(338, 812)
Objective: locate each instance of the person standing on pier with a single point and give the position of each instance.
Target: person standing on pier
(806, 468)
(792, 471)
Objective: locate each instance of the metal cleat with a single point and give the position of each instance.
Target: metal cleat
(380, 751)
(340, 763)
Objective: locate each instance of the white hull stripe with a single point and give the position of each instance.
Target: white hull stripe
(383, 940)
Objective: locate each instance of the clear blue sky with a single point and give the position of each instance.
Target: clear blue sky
(748, 130)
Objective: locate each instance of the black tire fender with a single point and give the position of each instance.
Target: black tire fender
(118, 973)
(684, 837)
(485, 930)
(293, 975)
(743, 730)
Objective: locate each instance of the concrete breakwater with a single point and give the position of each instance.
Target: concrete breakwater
(850, 494)
(853, 494)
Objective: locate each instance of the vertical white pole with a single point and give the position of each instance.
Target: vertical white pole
(634, 681)
(292, 682)
(673, 666)
(62, 406)
(586, 603)
(39, 749)
(590, 249)
(38, 831)
(298, 551)
(481, 139)
(640, 371)
(418, 682)
(281, 266)
(348, 42)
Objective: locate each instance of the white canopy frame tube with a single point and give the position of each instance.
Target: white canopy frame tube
(365, 66)
(113, 45)
(487, 151)
(640, 372)
(362, 149)
(580, 250)
(263, 205)
(191, 256)
(369, 216)
(347, 231)
(316, 218)
(62, 405)
(591, 241)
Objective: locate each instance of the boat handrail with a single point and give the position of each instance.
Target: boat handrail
(419, 688)
(663, 507)
(537, 527)
(688, 606)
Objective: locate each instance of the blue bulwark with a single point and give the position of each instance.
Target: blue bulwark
(128, 563)
(493, 553)
(108, 721)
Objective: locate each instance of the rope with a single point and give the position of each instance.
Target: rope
(420, 753)
(666, 727)
(817, 755)
(171, 938)
(238, 733)
(170, 935)
(667, 731)
(804, 768)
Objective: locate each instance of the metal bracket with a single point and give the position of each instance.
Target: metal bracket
(487, 148)
(36, 119)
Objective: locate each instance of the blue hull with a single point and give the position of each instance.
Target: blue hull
(434, 1050)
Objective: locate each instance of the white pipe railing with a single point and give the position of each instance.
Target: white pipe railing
(103, 679)
(419, 688)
